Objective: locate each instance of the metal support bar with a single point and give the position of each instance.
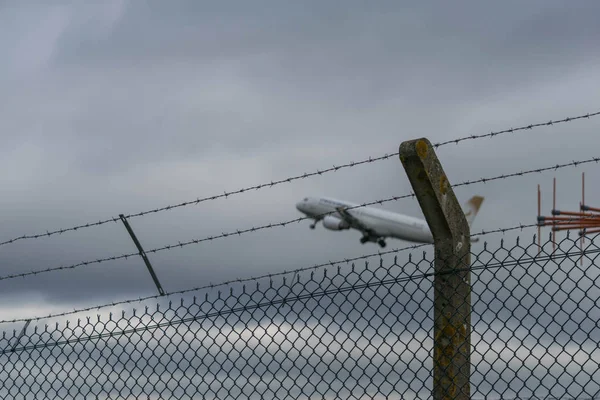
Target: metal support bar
(21, 334)
(452, 282)
(588, 208)
(573, 214)
(539, 204)
(582, 239)
(571, 227)
(543, 219)
(142, 254)
(554, 208)
(576, 221)
(586, 231)
(567, 227)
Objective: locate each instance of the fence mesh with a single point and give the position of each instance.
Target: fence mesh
(348, 332)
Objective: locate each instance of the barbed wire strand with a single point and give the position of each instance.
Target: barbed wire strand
(521, 128)
(519, 227)
(289, 222)
(290, 179)
(285, 300)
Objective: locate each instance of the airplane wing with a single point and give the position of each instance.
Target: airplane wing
(357, 224)
(354, 222)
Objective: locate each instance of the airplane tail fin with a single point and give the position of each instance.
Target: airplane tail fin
(471, 208)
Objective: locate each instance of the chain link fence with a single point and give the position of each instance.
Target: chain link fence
(344, 332)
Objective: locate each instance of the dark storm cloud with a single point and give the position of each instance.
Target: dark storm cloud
(126, 107)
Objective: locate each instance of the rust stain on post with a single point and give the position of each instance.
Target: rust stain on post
(452, 291)
(443, 184)
(421, 148)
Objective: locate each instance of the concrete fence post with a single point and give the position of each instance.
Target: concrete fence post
(452, 281)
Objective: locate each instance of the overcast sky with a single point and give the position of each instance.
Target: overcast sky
(126, 106)
(122, 106)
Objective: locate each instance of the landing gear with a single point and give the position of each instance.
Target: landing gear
(312, 226)
(366, 239)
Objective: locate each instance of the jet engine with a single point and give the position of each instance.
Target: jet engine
(334, 224)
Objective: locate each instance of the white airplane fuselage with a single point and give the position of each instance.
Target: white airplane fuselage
(375, 224)
(383, 223)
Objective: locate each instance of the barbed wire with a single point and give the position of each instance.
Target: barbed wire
(61, 268)
(289, 222)
(521, 128)
(376, 202)
(290, 299)
(531, 171)
(520, 227)
(290, 179)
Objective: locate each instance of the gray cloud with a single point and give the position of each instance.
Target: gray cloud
(123, 107)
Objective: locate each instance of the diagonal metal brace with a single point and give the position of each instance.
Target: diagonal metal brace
(142, 254)
(14, 347)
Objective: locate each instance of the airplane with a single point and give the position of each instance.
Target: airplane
(375, 224)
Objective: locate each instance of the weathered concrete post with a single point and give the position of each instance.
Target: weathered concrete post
(452, 289)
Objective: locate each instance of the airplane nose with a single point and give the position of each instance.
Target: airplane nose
(299, 206)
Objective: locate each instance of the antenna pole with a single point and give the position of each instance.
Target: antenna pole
(554, 208)
(582, 241)
(539, 214)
